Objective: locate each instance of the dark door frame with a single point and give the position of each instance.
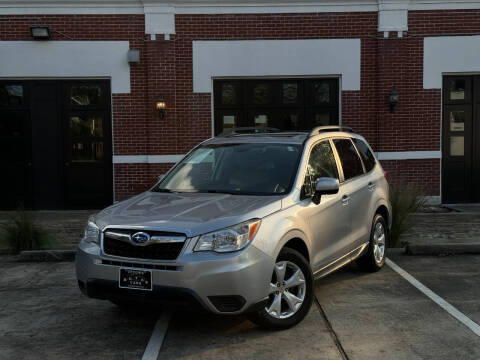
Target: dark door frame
(62, 111)
(471, 134)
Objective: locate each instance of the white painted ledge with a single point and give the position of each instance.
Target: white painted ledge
(449, 54)
(147, 159)
(409, 155)
(171, 159)
(257, 58)
(67, 59)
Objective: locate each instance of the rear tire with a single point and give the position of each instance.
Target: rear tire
(374, 258)
(291, 292)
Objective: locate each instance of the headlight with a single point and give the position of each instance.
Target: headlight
(91, 233)
(230, 239)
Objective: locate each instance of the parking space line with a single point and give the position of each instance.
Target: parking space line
(156, 340)
(435, 298)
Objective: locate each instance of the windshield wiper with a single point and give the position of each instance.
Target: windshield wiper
(222, 192)
(162, 190)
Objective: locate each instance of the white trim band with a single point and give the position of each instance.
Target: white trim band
(462, 56)
(30, 7)
(172, 159)
(288, 58)
(409, 155)
(67, 59)
(147, 159)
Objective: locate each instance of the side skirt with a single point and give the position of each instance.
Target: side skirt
(340, 262)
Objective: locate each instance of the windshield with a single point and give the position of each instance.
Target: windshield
(249, 169)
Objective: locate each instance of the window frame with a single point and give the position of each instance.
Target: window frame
(25, 98)
(365, 172)
(304, 106)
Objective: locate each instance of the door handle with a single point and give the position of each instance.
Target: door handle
(371, 186)
(345, 200)
(67, 164)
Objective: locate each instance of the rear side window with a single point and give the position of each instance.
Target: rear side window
(351, 163)
(366, 154)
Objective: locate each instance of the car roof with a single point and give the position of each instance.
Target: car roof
(280, 137)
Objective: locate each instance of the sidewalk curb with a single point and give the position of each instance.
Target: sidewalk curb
(443, 249)
(47, 255)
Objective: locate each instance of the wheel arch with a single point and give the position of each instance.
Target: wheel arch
(383, 211)
(295, 240)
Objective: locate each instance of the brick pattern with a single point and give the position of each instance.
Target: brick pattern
(194, 110)
(443, 22)
(135, 178)
(423, 174)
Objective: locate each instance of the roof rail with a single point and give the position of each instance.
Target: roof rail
(320, 129)
(248, 130)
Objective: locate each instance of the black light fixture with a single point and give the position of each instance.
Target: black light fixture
(161, 106)
(393, 100)
(40, 32)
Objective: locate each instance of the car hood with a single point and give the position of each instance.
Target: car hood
(189, 213)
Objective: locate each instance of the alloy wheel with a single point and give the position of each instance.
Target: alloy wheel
(287, 290)
(379, 242)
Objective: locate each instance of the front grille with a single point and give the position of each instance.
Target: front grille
(161, 251)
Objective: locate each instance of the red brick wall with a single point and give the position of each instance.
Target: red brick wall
(165, 69)
(422, 174)
(194, 110)
(132, 179)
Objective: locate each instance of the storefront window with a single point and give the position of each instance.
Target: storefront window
(290, 104)
(457, 146)
(457, 89)
(457, 120)
(11, 95)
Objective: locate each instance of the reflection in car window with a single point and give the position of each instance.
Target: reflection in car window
(257, 169)
(321, 164)
(351, 163)
(366, 154)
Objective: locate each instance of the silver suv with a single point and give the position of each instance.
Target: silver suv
(243, 224)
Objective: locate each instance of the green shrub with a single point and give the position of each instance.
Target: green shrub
(21, 232)
(406, 200)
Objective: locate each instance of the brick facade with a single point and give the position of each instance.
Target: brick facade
(166, 68)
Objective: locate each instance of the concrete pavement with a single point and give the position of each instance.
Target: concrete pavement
(374, 316)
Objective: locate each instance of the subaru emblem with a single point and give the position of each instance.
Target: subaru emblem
(139, 238)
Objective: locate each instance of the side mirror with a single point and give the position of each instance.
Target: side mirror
(324, 186)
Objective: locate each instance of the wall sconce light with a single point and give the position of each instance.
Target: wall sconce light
(393, 100)
(161, 106)
(133, 56)
(40, 32)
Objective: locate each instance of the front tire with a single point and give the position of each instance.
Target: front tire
(291, 292)
(374, 259)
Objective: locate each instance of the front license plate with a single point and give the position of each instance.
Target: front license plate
(135, 279)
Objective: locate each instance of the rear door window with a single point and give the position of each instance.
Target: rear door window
(351, 163)
(366, 154)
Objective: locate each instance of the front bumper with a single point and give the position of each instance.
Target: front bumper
(211, 280)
